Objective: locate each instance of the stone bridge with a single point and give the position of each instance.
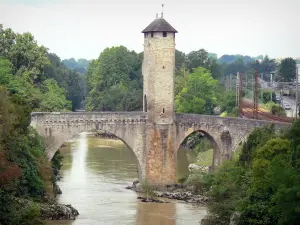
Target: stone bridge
(155, 134)
(155, 145)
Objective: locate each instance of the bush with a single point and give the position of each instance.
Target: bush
(56, 163)
(262, 187)
(267, 96)
(278, 110)
(200, 181)
(148, 189)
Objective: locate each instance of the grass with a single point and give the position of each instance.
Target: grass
(205, 158)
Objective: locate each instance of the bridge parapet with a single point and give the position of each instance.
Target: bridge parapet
(84, 117)
(186, 118)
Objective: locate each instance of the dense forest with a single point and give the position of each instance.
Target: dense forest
(79, 65)
(31, 78)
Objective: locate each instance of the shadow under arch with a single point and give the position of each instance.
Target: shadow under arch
(61, 141)
(210, 138)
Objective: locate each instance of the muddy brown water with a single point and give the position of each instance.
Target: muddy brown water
(95, 173)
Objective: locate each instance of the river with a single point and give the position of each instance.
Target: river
(95, 173)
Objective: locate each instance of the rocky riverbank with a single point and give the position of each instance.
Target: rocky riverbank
(57, 211)
(177, 192)
(49, 211)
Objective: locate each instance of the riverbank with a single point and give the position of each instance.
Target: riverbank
(48, 210)
(51, 209)
(179, 192)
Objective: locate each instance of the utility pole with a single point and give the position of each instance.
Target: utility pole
(261, 89)
(252, 88)
(271, 83)
(240, 94)
(255, 105)
(237, 90)
(230, 81)
(297, 77)
(227, 82)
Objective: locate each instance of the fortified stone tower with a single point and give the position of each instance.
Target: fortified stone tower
(158, 71)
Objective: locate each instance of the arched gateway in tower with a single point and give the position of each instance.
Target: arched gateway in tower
(155, 134)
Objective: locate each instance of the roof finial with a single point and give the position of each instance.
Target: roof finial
(162, 10)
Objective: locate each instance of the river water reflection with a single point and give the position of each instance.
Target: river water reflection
(95, 172)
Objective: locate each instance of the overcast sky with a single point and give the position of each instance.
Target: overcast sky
(83, 28)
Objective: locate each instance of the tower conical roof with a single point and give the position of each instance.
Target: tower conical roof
(159, 25)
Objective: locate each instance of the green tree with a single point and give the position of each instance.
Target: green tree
(197, 59)
(287, 69)
(7, 40)
(70, 63)
(228, 101)
(228, 186)
(72, 82)
(181, 79)
(6, 69)
(272, 195)
(237, 66)
(112, 79)
(33, 61)
(199, 96)
(53, 97)
(267, 96)
(267, 67)
(257, 138)
(263, 185)
(180, 60)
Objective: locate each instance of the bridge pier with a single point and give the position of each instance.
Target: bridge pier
(160, 154)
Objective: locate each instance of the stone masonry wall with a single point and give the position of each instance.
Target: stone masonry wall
(224, 133)
(158, 71)
(155, 145)
(161, 157)
(56, 128)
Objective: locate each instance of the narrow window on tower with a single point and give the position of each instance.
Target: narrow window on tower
(145, 103)
(164, 34)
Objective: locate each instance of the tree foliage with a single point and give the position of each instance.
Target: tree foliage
(30, 79)
(287, 69)
(25, 68)
(79, 66)
(262, 186)
(199, 95)
(114, 81)
(24, 170)
(228, 102)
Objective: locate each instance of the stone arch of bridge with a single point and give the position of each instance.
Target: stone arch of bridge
(214, 144)
(54, 140)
